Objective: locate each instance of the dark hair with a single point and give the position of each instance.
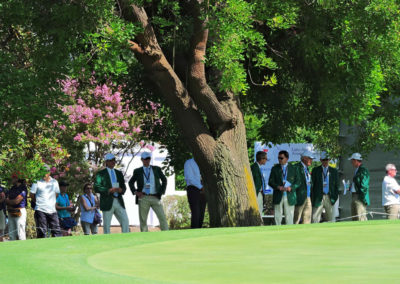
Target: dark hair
(260, 155)
(86, 185)
(285, 153)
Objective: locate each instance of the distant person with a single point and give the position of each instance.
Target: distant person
(195, 193)
(110, 184)
(324, 190)
(284, 181)
(89, 209)
(64, 208)
(390, 193)
(2, 215)
(359, 189)
(151, 185)
(303, 209)
(16, 204)
(44, 194)
(258, 178)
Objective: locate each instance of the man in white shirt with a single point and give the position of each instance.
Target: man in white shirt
(44, 193)
(390, 193)
(195, 193)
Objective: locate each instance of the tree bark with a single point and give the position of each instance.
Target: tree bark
(219, 148)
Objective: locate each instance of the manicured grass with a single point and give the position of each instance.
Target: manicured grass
(350, 252)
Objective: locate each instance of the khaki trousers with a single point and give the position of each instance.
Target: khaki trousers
(284, 206)
(393, 211)
(145, 203)
(120, 214)
(358, 209)
(317, 211)
(303, 212)
(260, 202)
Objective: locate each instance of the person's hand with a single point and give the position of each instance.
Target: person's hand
(281, 188)
(112, 190)
(288, 189)
(139, 194)
(202, 190)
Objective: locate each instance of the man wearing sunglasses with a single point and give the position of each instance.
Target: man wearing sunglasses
(324, 190)
(284, 181)
(151, 185)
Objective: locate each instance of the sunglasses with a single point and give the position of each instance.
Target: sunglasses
(281, 158)
(146, 159)
(325, 160)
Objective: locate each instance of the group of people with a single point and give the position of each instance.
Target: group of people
(301, 195)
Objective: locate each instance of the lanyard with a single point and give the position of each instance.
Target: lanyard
(325, 176)
(284, 173)
(307, 174)
(148, 175)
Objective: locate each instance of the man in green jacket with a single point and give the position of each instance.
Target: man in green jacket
(359, 189)
(151, 185)
(324, 190)
(258, 178)
(284, 181)
(303, 209)
(110, 184)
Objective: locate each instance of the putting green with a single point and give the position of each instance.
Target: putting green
(346, 252)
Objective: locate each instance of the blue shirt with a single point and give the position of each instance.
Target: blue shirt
(192, 174)
(88, 215)
(63, 201)
(14, 192)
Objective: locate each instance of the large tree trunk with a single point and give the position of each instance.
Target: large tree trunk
(219, 146)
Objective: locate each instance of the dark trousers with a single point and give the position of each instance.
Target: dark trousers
(197, 203)
(44, 221)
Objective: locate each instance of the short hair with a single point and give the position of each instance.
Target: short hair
(285, 153)
(389, 167)
(86, 185)
(260, 155)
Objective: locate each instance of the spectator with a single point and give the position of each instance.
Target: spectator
(303, 209)
(2, 215)
(44, 194)
(195, 193)
(151, 184)
(16, 203)
(110, 184)
(64, 209)
(258, 178)
(390, 193)
(89, 208)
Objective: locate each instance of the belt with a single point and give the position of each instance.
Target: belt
(151, 194)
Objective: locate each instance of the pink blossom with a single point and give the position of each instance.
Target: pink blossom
(62, 127)
(53, 170)
(78, 169)
(150, 147)
(78, 137)
(55, 122)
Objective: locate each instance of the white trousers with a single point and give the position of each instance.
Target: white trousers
(260, 202)
(284, 206)
(120, 214)
(16, 226)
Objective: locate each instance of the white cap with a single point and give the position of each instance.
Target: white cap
(324, 155)
(308, 154)
(356, 156)
(145, 155)
(109, 157)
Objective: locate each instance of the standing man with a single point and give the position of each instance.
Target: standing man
(303, 209)
(195, 193)
(324, 190)
(359, 189)
(284, 181)
(390, 193)
(151, 185)
(44, 194)
(110, 184)
(259, 181)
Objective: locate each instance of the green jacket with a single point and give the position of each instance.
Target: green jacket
(361, 184)
(301, 191)
(317, 189)
(138, 178)
(257, 177)
(276, 179)
(102, 184)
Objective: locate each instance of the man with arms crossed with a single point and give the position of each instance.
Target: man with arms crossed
(390, 193)
(284, 181)
(324, 190)
(110, 184)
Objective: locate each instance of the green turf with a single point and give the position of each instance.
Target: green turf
(350, 252)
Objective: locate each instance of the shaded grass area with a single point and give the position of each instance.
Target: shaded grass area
(347, 252)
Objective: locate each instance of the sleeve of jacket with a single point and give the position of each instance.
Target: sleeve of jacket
(364, 181)
(121, 181)
(313, 183)
(132, 181)
(100, 183)
(335, 194)
(163, 180)
(273, 180)
(296, 180)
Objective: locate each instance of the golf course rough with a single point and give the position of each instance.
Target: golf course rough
(348, 252)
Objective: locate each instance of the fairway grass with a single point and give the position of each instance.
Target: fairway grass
(348, 252)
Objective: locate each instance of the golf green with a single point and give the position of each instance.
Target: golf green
(347, 252)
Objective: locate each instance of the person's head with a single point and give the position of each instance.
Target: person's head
(110, 160)
(391, 170)
(324, 159)
(14, 179)
(307, 158)
(87, 188)
(283, 157)
(47, 174)
(63, 186)
(356, 160)
(261, 157)
(146, 158)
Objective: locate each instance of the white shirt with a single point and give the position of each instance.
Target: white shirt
(46, 195)
(149, 180)
(389, 197)
(192, 174)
